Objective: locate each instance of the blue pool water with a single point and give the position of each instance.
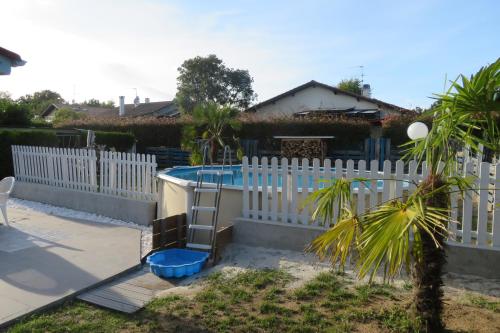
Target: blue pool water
(189, 173)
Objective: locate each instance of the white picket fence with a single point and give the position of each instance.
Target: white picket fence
(119, 174)
(275, 191)
(129, 175)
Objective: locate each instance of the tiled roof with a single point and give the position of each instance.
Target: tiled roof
(331, 88)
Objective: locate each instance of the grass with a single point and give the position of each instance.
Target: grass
(250, 301)
(482, 302)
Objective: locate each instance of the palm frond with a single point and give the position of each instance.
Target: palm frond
(386, 235)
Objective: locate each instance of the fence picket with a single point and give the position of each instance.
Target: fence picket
(294, 188)
(274, 189)
(304, 216)
(264, 193)
(284, 190)
(246, 199)
(360, 202)
(467, 207)
(255, 187)
(482, 217)
(496, 208)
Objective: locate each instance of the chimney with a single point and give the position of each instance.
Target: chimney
(137, 101)
(121, 111)
(366, 90)
(146, 100)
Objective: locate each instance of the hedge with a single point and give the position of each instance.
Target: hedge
(9, 137)
(151, 131)
(395, 127)
(117, 140)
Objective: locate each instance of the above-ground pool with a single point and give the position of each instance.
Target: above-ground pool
(190, 174)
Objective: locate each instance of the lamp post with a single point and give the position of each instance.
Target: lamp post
(417, 130)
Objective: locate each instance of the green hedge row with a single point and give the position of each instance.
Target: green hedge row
(9, 137)
(118, 140)
(150, 131)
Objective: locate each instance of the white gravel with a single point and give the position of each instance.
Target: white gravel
(146, 232)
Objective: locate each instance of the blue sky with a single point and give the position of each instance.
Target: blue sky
(102, 49)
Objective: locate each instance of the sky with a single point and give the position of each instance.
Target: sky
(103, 49)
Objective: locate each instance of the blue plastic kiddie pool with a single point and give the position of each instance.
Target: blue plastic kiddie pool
(176, 262)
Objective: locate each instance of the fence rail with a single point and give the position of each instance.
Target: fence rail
(119, 174)
(275, 191)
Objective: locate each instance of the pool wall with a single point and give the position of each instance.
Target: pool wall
(176, 197)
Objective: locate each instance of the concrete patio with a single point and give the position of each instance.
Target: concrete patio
(45, 259)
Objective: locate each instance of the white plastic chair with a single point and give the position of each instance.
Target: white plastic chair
(6, 186)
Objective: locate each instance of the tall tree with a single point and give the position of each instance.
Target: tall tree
(39, 101)
(207, 80)
(351, 85)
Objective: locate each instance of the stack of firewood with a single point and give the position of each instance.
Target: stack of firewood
(306, 148)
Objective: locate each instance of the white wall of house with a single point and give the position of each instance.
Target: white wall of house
(315, 98)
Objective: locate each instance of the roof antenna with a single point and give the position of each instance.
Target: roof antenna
(362, 73)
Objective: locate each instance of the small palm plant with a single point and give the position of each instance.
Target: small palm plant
(210, 123)
(380, 239)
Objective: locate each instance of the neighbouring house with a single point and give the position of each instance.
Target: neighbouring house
(156, 109)
(315, 98)
(9, 59)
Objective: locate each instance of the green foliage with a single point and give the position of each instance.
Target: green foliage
(212, 124)
(65, 114)
(9, 137)
(118, 141)
(39, 101)
(154, 132)
(351, 85)
(465, 115)
(13, 114)
(207, 80)
(95, 102)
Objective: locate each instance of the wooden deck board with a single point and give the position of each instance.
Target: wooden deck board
(128, 293)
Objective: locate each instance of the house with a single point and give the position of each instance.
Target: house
(91, 111)
(155, 109)
(9, 59)
(315, 98)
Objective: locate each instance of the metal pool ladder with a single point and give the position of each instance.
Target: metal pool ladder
(217, 177)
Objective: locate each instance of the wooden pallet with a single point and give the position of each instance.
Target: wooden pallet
(129, 293)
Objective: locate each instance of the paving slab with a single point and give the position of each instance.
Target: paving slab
(45, 259)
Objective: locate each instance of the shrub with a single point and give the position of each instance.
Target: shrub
(394, 127)
(12, 114)
(117, 140)
(9, 137)
(151, 131)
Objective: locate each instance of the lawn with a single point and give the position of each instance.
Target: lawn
(259, 301)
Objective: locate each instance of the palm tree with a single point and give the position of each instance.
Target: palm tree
(210, 123)
(466, 115)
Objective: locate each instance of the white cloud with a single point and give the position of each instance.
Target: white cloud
(102, 49)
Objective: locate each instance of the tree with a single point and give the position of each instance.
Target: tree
(65, 114)
(206, 79)
(465, 115)
(12, 114)
(95, 102)
(211, 124)
(39, 101)
(351, 85)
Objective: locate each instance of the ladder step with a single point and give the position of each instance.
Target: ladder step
(204, 209)
(214, 172)
(201, 227)
(206, 190)
(199, 246)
